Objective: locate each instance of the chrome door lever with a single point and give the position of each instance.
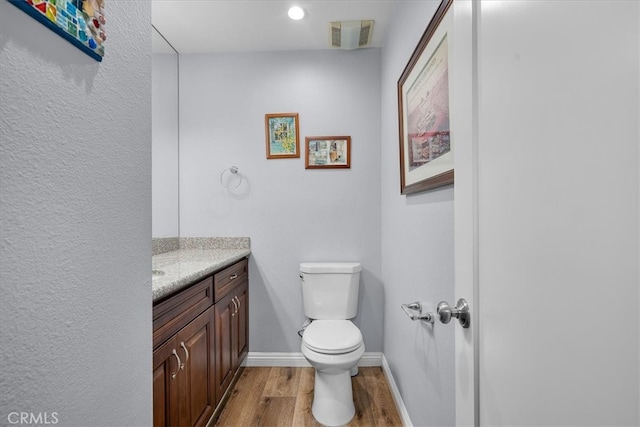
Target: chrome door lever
(460, 312)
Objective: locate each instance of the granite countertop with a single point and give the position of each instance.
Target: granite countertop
(194, 259)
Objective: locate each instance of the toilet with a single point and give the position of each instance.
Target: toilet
(331, 343)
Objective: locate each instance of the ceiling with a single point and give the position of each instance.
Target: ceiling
(206, 26)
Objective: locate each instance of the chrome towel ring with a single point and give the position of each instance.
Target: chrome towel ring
(231, 178)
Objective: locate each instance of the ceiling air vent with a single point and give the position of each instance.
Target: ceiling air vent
(350, 34)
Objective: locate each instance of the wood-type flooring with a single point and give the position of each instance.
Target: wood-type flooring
(282, 397)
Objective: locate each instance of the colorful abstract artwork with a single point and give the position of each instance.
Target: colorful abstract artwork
(81, 22)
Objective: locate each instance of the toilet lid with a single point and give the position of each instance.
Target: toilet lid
(332, 336)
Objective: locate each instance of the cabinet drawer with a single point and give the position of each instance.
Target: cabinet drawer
(171, 315)
(228, 278)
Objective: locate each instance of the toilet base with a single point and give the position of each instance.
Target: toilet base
(333, 398)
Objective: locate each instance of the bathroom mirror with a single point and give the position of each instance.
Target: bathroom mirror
(165, 138)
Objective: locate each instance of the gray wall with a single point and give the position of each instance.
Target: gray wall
(165, 144)
(291, 214)
(417, 249)
(75, 222)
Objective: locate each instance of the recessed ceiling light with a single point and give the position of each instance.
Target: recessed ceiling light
(296, 13)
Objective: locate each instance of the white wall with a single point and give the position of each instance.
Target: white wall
(417, 249)
(75, 222)
(165, 144)
(291, 214)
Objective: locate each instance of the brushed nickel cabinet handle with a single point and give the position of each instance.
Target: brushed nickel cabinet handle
(233, 276)
(174, 374)
(235, 310)
(186, 353)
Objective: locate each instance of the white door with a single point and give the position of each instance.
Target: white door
(550, 217)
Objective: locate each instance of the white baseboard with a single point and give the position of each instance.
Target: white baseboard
(293, 360)
(297, 360)
(393, 387)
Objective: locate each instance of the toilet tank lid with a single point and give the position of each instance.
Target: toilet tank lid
(330, 267)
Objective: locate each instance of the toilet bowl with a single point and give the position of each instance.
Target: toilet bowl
(333, 348)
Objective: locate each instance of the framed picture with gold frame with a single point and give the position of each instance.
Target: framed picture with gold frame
(282, 135)
(327, 152)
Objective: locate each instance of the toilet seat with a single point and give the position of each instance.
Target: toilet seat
(332, 336)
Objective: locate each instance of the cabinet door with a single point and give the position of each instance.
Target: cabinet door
(225, 312)
(166, 385)
(241, 344)
(196, 345)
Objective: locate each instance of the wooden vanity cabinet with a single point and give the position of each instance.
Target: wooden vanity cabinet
(166, 386)
(232, 322)
(192, 340)
(183, 373)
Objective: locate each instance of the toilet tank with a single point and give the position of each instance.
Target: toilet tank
(330, 289)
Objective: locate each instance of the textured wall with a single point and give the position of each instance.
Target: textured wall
(291, 214)
(417, 250)
(75, 192)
